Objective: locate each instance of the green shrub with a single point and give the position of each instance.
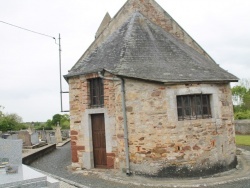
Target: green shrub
(242, 115)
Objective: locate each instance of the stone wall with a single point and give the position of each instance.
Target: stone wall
(77, 99)
(242, 126)
(158, 142)
(80, 123)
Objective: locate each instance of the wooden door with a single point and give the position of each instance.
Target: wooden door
(99, 141)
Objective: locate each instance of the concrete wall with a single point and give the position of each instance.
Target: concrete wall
(242, 126)
(158, 142)
(12, 150)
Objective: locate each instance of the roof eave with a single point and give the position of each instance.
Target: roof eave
(165, 82)
(200, 82)
(68, 76)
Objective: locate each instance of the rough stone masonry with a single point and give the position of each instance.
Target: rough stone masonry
(158, 62)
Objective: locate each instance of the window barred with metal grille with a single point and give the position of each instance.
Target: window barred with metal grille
(96, 92)
(193, 107)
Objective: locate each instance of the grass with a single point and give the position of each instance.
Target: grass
(243, 140)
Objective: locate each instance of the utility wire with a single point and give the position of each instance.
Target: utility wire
(28, 30)
(55, 42)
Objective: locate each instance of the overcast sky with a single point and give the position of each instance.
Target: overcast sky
(29, 77)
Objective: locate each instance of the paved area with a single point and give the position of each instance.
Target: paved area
(63, 143)
(65, 185)
(56, 164)
(240, 174)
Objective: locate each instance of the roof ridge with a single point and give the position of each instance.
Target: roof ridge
(155, 47)
(130, 22)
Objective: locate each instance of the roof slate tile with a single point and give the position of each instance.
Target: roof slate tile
(140, 49)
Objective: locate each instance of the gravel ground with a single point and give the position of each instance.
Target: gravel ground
(56, 163)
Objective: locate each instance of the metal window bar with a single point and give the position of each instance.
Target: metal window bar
(196, 107)
(96, 92)
(201, 105)
(96, 85)
(91, 92)
(193, 107)
(101, 92)
(180, 107)
(209, 108)
(184, 107)
(190, 107)
(204, 98)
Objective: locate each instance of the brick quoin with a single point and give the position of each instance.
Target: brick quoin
(80, 147)
(72, 132)
(74, 156)
(110, 160)
(73, 138)
(73, 143)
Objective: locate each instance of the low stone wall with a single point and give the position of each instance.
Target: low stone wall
(33, 156)
(242, 126)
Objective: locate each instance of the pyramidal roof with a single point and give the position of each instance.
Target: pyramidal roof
(139, 48)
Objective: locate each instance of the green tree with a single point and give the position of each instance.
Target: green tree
(22, 126)
(4, 125)
(56, 118)
(39, 125)
(246, 100)
(48, 125)
(10, 122)
(65, 121)
(241, 95)
(1, 113)
(239, 91)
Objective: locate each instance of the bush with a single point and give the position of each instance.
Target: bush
(242, 115)
(10, 122)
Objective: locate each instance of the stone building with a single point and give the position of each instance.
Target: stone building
(147, 99)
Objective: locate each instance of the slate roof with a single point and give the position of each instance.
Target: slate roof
(140, 49)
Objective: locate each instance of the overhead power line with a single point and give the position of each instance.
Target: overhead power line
(28, 30)
(61, 92)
